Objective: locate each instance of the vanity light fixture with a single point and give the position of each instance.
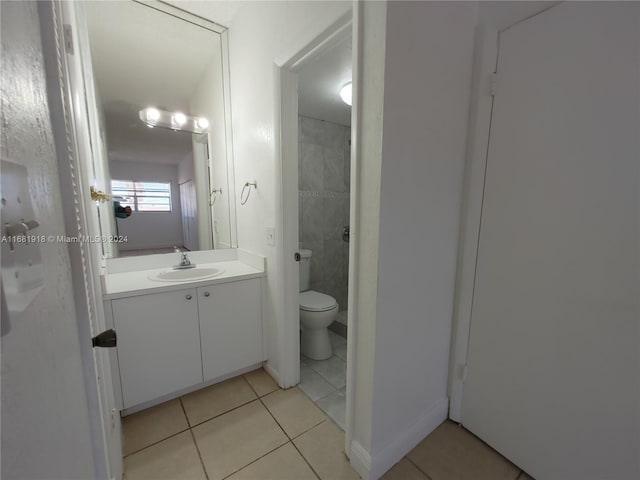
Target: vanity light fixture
(202, 123)
(345, 93)
(154, 117)
(179, 119)
(152, 114)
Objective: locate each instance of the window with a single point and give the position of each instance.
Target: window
(143, 196)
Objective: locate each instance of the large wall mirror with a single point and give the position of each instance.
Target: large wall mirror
(160, 123)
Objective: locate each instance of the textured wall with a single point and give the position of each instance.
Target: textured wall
(323, 209)
(45, 423)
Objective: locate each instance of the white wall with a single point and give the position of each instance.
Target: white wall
(46, 430)
(150, 229)
(261, 33)
(427, 81)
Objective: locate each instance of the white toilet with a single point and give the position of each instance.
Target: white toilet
(317, 311)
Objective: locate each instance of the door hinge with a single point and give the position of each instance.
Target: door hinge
(493, 84)
(68, 39)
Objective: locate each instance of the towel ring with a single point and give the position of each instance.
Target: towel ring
(247, 187)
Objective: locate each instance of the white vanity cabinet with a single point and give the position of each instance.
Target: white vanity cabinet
(158, 344)
(177, 340)
(230, 326)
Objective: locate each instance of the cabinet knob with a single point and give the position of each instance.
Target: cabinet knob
(188, 297)
(206, 294)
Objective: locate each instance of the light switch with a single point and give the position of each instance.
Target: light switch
(271, 236)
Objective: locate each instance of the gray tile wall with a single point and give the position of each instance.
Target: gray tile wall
(324, 176)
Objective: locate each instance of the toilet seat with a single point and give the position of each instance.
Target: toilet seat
(312, 301)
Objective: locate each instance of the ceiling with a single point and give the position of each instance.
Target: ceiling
(221, 12)
(320, 81)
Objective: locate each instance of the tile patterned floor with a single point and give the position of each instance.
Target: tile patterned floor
(245, 428)
(452, 453)
(324, 382)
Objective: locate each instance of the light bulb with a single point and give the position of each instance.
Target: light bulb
(202, 122)
(179, 118)
(345, 93)
(153, 114)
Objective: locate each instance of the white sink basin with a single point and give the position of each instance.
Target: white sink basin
(186, 275)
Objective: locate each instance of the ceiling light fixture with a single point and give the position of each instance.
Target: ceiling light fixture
(345, 93)
(154, 117)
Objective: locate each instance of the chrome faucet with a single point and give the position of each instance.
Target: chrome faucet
(184, 261)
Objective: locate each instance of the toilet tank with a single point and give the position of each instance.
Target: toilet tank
(305, 270)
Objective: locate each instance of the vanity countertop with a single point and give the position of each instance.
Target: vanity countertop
(129, 284)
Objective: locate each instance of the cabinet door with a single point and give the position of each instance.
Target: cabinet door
(158, 344)
(230, 327)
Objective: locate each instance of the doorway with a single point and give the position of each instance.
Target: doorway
(316, 146)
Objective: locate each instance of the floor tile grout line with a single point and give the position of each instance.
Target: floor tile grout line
(320, 375)
(259, 458)
(193, 437)
(258, 397)
(297, 436)
(325, 378)
(156, 442)
(223, 413)
(311, 428)
(251, 387)
(416, 465)
(184, 412)
(195, 442)
(264, 394)
(305, 459)
(189, 426)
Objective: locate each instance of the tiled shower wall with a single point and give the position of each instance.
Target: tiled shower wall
(323, 208)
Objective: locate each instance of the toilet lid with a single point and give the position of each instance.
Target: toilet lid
(313, 301)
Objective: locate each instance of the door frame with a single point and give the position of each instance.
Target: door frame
(286, 72)
(484, 67)
(73, 142)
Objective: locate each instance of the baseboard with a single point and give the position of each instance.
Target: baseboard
(381, 462)
(184, 391)
(360, 460)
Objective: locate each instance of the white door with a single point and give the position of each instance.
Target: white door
(84, 135)
(553, 361)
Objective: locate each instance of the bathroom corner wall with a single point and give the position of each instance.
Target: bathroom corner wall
(323, 203)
